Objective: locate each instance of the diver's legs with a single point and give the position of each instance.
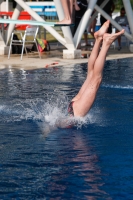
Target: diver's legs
(84, 103)
(95, 51)
(108, 39)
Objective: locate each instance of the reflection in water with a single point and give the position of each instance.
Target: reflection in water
(76, 169)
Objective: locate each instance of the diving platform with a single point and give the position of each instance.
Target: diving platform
(33, 23)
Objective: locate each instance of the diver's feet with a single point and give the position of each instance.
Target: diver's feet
(102, 30)
(65, 21)
(110, 38)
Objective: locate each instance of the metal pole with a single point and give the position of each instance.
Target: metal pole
(2, 45)
(15, 15)
(82, 26)
(2, 42)
(95, 14)
(7, 5)
(129, 13)
(114, 23)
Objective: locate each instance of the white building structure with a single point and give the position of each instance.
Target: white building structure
(67, 39)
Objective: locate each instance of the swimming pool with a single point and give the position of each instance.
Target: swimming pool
(91, 161)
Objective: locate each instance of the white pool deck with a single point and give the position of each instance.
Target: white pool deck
(55, 55)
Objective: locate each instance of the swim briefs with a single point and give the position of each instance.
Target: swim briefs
(70, 108)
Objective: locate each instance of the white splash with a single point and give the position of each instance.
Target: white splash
(49, 115)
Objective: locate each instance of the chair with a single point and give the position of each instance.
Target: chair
(31, 32)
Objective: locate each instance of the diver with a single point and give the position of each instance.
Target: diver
(83, 101)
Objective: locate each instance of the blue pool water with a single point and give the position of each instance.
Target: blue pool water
(91, 161)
